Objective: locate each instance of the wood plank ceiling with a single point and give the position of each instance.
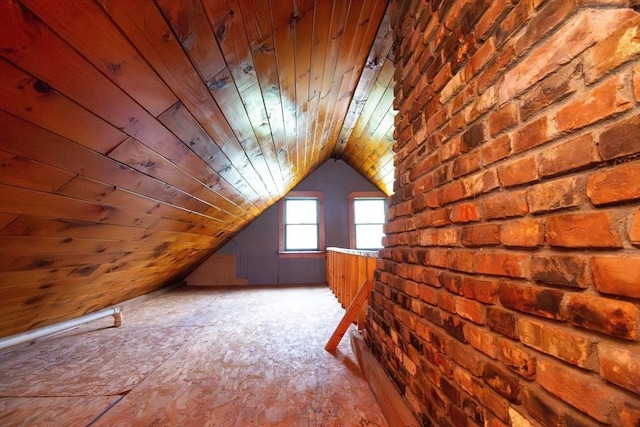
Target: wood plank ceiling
(138, 136)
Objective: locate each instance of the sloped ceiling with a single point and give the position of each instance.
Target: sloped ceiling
(138, 136)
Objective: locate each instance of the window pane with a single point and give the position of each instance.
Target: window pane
(301, 211)
(301, 237)
(369, 236)
(369, 211)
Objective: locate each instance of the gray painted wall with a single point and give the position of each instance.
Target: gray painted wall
(256, 247)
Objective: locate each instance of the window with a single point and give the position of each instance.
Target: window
(367, 217)
(301, 223)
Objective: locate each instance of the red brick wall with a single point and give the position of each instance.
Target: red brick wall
(509, 289)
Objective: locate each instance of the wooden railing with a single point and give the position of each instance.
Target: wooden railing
(350, 278)
(347, 269)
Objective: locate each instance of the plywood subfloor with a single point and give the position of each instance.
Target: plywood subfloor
(195, 357)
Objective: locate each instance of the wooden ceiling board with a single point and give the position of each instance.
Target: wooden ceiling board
(78, 22)
(281, 12)
(28, 98)
(322, 43)
(238, 91)
(139, 137)
(371, 14)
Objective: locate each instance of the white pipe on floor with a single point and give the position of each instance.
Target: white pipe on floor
(32, 335)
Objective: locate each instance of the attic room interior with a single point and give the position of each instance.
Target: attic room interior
(195, 194)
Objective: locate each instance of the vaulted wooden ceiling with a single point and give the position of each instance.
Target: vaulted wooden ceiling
(138, 136)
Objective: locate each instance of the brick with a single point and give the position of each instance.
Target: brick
(453, 126)
(451, 192)
(480, 340)
(628, 415)
(454, 325)
(583, 230)
(460, 260)
(451, 282)
(501, 264)
(560, 342)
(432, 199)
(621, 139)
(428, 293)
(436, 258)
(447, 237)
(620, 47)
(562, 270)
(584, 29)
(583, 391)
(480, 235)
(436, 120)
(449, 390)
(462, 99)
(480, 58)
(470, 360)
(548, 17)
(612, 317)
(471, 12)
(465, 212)
(462, 377)
(516, 358)
(505, 205)
(473, 137)
(502, 381)
(552, 89)
(496, 149)
(502, 321)
(569, 156)
(532, 299)
(453, 87)
(492, 17)
(503, 118)
(446, 302)
(532, 135)
(514, 20)
(493, 401)
(467, 163)
(496, 68)
(443, 76)
(557, 194)
(620, 364)
(485, 291)
(527, 233)
(470, 310)
(542, 408)
(519, 171)
(634, 229)
(472, 410)
(483, 103)
(457, 415)
(617, 275)
(480, 183)
(636, 82)
(620, 183)
(422, 165)
(437, 218)
(606, 100)
(517, 419)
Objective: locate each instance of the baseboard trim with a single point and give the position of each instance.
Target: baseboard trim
(394, 408)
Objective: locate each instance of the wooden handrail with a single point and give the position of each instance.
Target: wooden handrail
(347, 269)
(348, 272)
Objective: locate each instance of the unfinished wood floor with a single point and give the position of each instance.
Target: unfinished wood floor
(195, 357)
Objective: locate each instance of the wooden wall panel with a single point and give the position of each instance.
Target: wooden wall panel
(138, 137)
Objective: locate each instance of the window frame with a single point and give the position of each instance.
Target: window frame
(301, 253)
(352, 218)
